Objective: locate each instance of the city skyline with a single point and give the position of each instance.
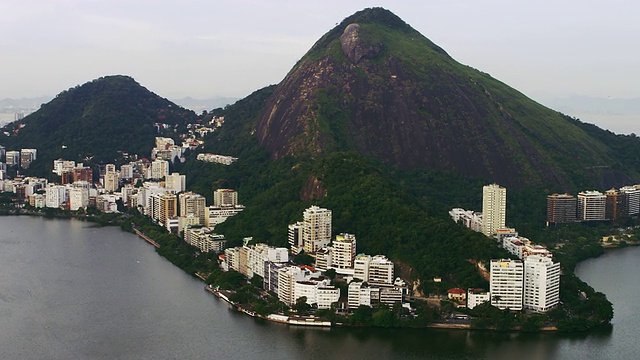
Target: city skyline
(212, 49)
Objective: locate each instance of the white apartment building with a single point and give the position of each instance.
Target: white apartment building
(231, 259)
(316, 230)
(343, 251)
(506, 284)
(381, 271)
(287, 278)
(633, 199)
(55, 196)
(323, 259)
(327, 295)
(318, 292)
(12, 157)
(218, 215)
(494, 208)
(591, 205)
(361, 267)
(78, 198)
(159, 169)
(468, 218)
(175, 182)
(476, 297)
(541, 283)
(205, 239)
(126, 171)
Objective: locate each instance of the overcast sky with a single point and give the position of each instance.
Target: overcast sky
(206, 48)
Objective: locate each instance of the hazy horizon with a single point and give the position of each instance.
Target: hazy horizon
(546, 50)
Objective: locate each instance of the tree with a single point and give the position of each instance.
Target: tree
(331, 274)
(301, 305)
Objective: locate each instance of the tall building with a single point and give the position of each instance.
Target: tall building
(561, 208)
(632, 199)
(343, 251)
(78, 198)
(494, 208)
(225, 197)
(381, 271)
(506, 284)
(175, 182)
(12, 157)
(159, 169)
(27, 156)
(193, 204)
(591, 205)
(126, 171)
(111, 178)
(361, 267)
(316, 230)
(615, 205)
(163, 206)
(295, 237)
(541, 283)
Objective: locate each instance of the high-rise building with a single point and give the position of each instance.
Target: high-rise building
(381, 271)
(591, 205)
(615, 205)
(193, 204)
(126, 171)
(27, 156)
(175, 182)
(163, 206)
(494, 208)
(78, 198)
(225, 197)
(316, 230)
(561, 208)
(632, 199)
(159, 169)
(361, 267)
(12, 157)
(295, 237)
(541, 283)
(343, 251)
(111, 178)
(506, 284)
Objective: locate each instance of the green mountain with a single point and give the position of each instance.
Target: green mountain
(98, 120)
(376, 86)
(390, 134)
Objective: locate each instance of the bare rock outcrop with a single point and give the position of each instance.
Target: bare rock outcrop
(355, 47)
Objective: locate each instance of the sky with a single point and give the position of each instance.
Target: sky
(548, 50)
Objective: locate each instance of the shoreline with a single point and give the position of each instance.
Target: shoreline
(279, 318)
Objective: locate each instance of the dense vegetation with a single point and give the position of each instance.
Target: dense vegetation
(95, 123)
(405, 102)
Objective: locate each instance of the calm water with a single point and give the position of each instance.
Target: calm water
(69, 290)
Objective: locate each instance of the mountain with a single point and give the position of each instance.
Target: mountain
(376, 86)
(97, 120)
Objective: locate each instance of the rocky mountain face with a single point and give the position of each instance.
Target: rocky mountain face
(376, 86)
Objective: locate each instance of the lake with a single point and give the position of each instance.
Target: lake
(69, 289)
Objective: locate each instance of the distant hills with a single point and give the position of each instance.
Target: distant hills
(98, 120)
